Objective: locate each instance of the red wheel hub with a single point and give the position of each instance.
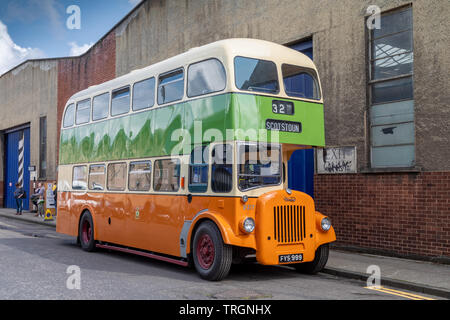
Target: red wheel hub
(86, 232)
(205, 251)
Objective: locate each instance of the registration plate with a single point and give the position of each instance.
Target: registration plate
(285, 126)
(296, 257)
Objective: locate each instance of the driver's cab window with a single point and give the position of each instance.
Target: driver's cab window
(222, 168)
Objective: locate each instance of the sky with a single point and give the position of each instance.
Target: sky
(34, 29)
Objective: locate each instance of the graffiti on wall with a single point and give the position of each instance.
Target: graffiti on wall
(336, 160)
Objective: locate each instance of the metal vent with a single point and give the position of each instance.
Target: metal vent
(289, 223)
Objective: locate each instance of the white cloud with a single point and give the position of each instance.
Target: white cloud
(11, 54)
(76, 50)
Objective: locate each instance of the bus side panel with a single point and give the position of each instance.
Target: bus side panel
(154, 223)
(65, 220)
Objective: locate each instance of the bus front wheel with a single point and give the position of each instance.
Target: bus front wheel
(319, 262)
(86, 232)
(212, 258)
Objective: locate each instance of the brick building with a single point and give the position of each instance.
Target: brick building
(385, 97)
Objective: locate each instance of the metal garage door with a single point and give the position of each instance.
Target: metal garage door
(17, 163)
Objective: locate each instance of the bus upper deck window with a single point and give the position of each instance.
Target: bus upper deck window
(120, 102)
(299, 82)
(171, 86)
(69, 116)
(144, 94)
(256, 75)
(100, 107)
(83, 113)
(205, 77)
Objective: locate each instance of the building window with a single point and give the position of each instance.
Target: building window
(391, 111)
(42, 147)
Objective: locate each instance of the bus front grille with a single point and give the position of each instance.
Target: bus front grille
(289, 223)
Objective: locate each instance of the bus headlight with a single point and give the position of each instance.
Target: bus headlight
(247, 225)
(325, 224)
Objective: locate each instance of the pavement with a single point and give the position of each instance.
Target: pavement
(413, 275)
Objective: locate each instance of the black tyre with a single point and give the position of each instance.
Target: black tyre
(212, 258)
(86, 232)
(319, 262)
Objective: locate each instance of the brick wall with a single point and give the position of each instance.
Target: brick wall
(78, 73)
(400, 213)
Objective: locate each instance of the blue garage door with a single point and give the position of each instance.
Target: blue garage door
(301, 164)
(17, 163)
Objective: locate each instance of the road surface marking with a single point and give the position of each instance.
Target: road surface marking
(399, 293)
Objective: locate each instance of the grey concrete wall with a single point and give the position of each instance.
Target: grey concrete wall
(26, 94)
(163, 28)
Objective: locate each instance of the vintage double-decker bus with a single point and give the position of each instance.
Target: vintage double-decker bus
(186, 160)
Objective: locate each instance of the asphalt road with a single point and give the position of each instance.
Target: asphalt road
(36, 264)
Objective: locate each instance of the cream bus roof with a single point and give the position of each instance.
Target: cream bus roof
(224, 50)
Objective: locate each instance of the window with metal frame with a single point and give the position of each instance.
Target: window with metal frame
(256, 75)
(69, 116)
(222, 168)
(144, 94)
(79, 178)
(120, 101)
(97, 177)
(100, 107)
(139, 176)
(198, 170)
(300, 82)
(205, 77)
(117, 176)
(171, 86)
(391, 110)
(166, 175)
(83, 114)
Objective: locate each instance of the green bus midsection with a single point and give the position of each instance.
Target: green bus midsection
(174, 129)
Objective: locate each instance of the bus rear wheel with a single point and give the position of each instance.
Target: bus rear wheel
(212, 258)
(319, 262)
(86, 232)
